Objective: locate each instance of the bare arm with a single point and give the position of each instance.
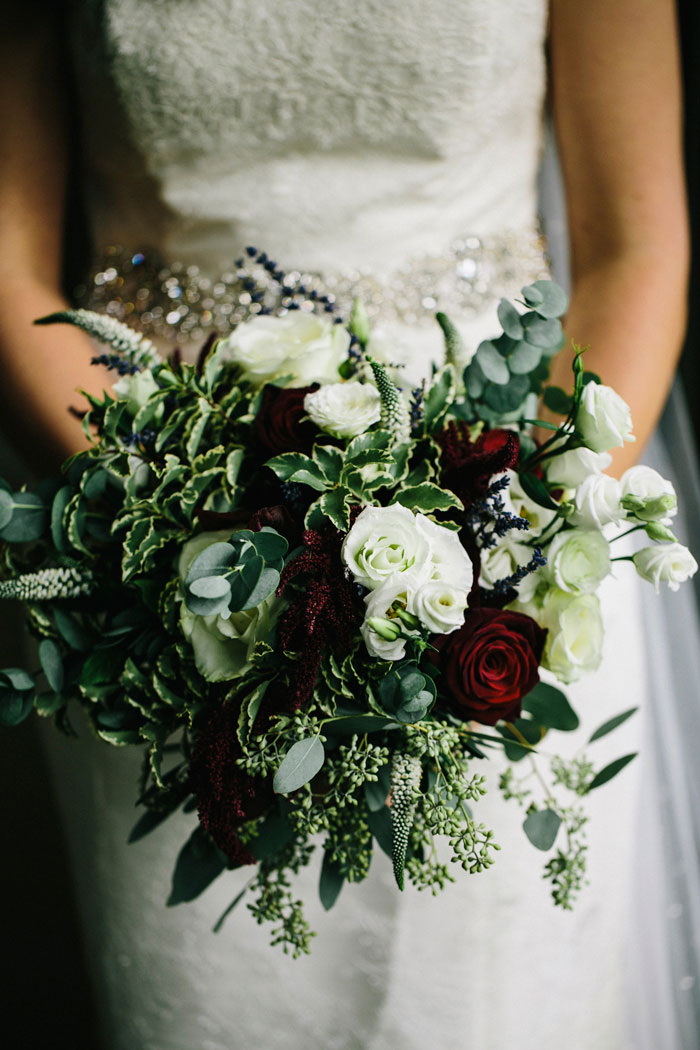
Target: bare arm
(616, 89)
(41, 367)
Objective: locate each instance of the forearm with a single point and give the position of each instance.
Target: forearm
(629, 309)
(42, 370)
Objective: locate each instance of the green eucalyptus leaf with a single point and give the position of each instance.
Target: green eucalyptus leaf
(215, 560)
(550, 707)
(51, 663)
(301, 763)
(267, 584)
(29, 519)
(541, 827)
(557, 400)
(198, 864)
(547, 298)
(15, 707)
(6, 508)
(547, 334)
(17, 678)
(331, 881)
(612, 723)
(347, 725)
(508, 397)
(474, 379)
(270, 545)
(509, 319)
(491, 363)
(211, 587)
(524, 359)
(610, 771)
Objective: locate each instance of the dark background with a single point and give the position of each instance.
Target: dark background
(45, 986)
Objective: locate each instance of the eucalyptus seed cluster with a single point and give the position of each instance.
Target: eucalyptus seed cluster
(566, 870)
(575, 774)
(353, 765)
(349, 843)
(49, 584)
(275, 903)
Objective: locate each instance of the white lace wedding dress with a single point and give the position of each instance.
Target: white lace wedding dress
(401, 138)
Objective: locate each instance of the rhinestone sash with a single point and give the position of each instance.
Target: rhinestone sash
(181, 303)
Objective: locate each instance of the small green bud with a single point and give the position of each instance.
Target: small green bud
(656, 531)
(411, 621)
(359, 322)
(384, 628)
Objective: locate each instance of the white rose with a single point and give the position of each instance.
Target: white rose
(384, 542)
(344, 409)
(381, 604)
(574, 466)
(648, 495)
(136, 390)
(501, 561)
(670, 563)
(597, 502)
(304, 347)
(577, 560)
(518, 502)
(603, 418)
(448, 559)
(574, 634)
(438, 605)
(223, 646)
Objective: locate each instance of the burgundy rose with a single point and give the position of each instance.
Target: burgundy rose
(490, 663)
(278, 424)
(467, 466)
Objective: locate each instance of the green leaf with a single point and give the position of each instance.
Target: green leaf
(215, 560)
(288, 463)
(334, 505)
(528, 730)
(372, 440)
(6, 506)
(198, 864)
(267, 584)
(547, 334)
(546, 297)
(51, 664)
(330, 461)
(196, 429)
(557, 400)
(233, 465)
(15, 707)
(377, 791)
(610, 771)
(381, 827)
(536, 489)
(541, 828)
(211, 587)
(70, 630)
(18, 678)
(331, 882)
(28, 521)
(550, 707)
(347, 725)
(492, 363)
(508, 397)
(524, 359)
(439, 398)
(509, 319)
(270, 545)
(273, 836)
(426, 498)
(474, 379)
(612, 723)
(301, 763)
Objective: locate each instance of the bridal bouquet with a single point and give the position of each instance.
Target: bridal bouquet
(320, 601)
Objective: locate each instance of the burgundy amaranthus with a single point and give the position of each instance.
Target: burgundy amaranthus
(326, 612)
(468, 466)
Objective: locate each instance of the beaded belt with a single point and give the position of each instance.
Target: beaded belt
(179, 302)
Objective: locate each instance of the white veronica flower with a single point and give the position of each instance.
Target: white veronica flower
(304, 347)
(572, 467)
(577, 560)
(669, 563)
(603, 418)
(344, 409)
(597, 502)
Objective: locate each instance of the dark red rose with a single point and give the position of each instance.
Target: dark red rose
(467, 466)
(490, 664)
(278, 424)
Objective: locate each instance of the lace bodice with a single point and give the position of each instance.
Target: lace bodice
(331, 134)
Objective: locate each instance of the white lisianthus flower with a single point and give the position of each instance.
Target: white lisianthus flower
(574, 466)
(380, 605)
(501, 561)
(577, 560)
(597, 502)
(384, 543)
(449, 560)
(344, 409)
(648, 495)
(304, 347)
(223, 646)
(518, 502)
(669, 563)
(603, 418)
(574, 634)
(136, 390)
(438, 605)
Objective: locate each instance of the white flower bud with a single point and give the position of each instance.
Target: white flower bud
(385, 636)
(647, 495)
(603, 418)
(344, 409)
(669, 563)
